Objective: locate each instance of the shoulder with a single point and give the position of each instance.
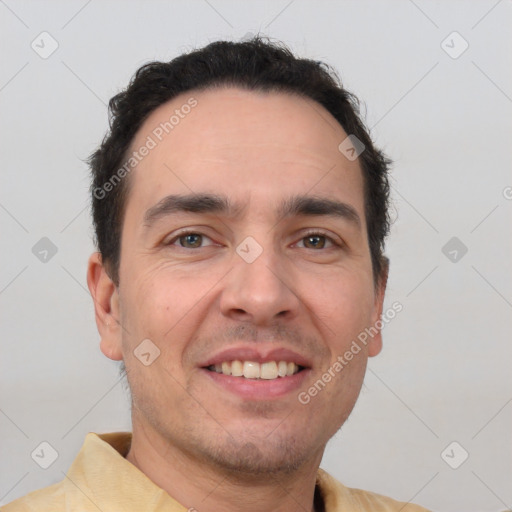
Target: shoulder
(338, 497)
(372, 501)
(47, 499)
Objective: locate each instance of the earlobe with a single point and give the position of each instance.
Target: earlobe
(106, 306)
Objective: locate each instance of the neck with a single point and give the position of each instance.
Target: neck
(198, 486)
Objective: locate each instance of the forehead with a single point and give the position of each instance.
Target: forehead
(244, 142)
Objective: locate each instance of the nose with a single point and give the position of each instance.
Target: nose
(260, 292)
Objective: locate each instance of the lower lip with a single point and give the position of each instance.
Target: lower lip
(259, 389)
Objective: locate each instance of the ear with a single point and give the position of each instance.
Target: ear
(375, 345)
(106, 306)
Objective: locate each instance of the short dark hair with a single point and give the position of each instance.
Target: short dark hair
(257, 65)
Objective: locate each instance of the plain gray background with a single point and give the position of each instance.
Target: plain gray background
(444, 373)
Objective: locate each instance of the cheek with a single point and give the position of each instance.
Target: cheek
(155, 296)
(161, 309)
(333, 394)
(344, 304)
(166, 306)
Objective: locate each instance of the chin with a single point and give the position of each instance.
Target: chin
(253, 457)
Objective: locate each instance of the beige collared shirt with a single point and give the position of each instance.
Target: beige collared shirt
(100, 478)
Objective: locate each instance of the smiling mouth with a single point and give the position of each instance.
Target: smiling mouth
(269, 370)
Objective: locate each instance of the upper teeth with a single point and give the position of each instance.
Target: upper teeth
(253, 370)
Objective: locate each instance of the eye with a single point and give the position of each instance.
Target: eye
(318, 240)
(189, 240)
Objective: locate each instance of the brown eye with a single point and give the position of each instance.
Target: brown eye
(191, 240)
(188, 239)
(314, 241)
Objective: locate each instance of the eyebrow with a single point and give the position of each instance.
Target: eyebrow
(313, 206)
(299, 205)
(191, 203)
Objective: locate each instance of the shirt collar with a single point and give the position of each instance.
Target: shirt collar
(103, 475)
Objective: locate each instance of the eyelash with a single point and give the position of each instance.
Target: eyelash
(308, 234)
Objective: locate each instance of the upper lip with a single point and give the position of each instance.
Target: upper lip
(257, 355)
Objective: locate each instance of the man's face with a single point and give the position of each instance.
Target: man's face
(209, 298)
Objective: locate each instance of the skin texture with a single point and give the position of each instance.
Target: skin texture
(207, 446)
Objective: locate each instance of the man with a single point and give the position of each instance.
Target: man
(240, 210)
